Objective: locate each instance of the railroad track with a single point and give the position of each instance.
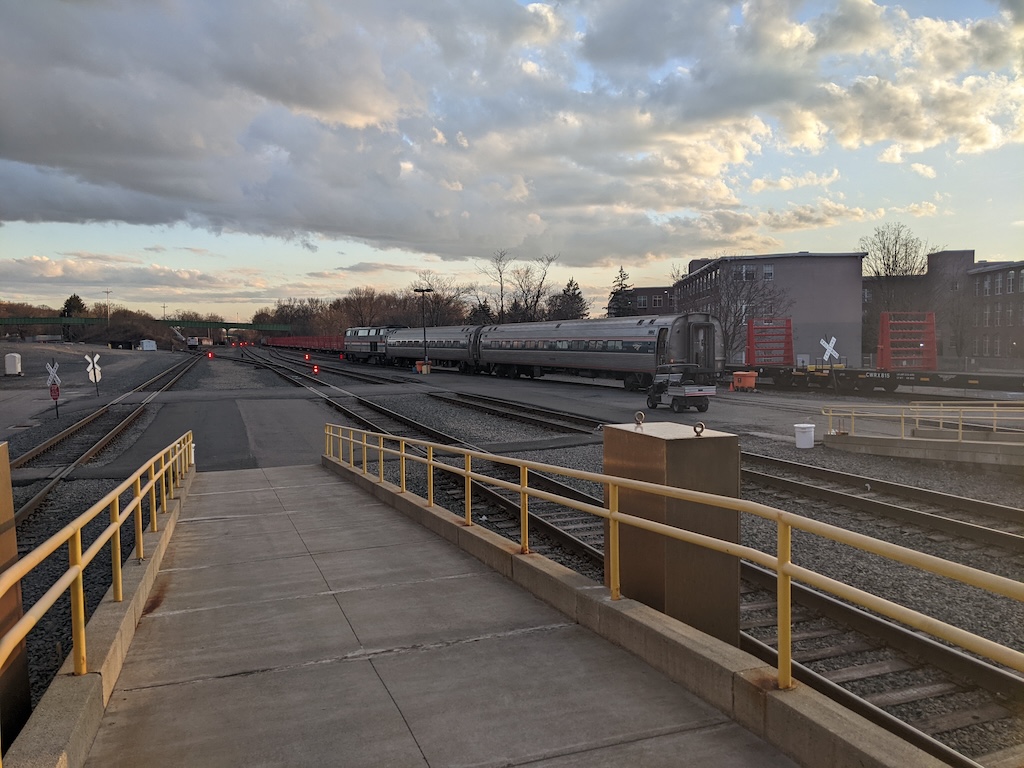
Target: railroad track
(88, 437)
(988, 524)
(950, 704)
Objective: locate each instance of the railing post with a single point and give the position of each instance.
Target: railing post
(171, 482)
(903, 423)
(140, 550)
(380, 458)
(401, 464)
(163, 483)
(469, 491)
(115, 551)
(154, 525)
(78, 604)
(784, 600)
(328, 441)
(524, 511)
(351, 447)
(430, 475)
(364, 453)
(613, 542)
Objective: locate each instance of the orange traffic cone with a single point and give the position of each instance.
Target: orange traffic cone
(730, 385)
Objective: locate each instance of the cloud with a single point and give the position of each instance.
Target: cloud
(918, 209)
(602, 131)
(923, 170)
(809, 179)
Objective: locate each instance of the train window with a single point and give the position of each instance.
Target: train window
(517, 344)
(614, 344)
(576, 344)
(562, 344)
(364, 332)
(531, 344)
(594, 344)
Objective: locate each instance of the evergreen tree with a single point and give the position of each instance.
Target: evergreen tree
(481, 314)
(569, 304)
(620, 300)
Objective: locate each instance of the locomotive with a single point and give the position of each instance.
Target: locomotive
(628, 349)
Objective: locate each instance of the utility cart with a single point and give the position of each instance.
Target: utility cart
(674, 386)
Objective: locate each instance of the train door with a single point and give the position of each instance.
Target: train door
(702, 345)
(661, 354)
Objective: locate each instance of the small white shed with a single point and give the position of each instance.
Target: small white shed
(147, 345)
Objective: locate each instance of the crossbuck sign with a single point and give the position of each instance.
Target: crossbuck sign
(54, 378)
(830, 348)
(94, 369)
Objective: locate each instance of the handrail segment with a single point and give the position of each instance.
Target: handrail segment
(341, 442)
(158, 478)
(963, 418)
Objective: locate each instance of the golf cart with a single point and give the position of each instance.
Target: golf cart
(674, 386)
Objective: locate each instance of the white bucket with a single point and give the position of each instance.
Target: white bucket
(12, 364)
(804, 435)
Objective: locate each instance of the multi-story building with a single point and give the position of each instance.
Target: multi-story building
(654, 301)
(819, 292)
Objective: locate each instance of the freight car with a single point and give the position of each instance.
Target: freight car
(628, 349)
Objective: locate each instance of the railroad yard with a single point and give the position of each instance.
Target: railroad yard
(249, 407)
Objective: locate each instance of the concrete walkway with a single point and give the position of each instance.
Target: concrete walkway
(299, 621)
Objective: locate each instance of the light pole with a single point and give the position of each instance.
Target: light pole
(423, 316)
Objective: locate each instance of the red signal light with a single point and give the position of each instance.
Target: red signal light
(209, 355)
(316, 370)
(307, 355)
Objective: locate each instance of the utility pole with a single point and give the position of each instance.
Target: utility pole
(164, 306)
(108, 292)
(423, 315)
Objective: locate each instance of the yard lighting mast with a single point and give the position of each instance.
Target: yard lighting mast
(423, 316)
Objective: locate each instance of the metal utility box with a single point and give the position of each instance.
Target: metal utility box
(686, 581)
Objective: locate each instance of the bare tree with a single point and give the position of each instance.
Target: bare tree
(497, 269)
(446, 302)
(894, 253)
(530, 287)
(362, 306)
(737, 296)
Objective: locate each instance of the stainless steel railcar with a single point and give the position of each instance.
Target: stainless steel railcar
(447, 345)
(626, 348)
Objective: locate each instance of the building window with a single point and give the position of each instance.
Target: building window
(999, 314)
(984, 345)
(995, 346)
(999, 285)
(747, 273)
(977, 286)
(768, 273)
(641, 302)
(1009, 281)
(657, 301)
(1009, 314)
(988, 312)
(977, 347)
(987, 285)
(977, 316)
(865, 295)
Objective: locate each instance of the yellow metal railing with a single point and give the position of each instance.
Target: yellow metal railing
(342, 442)
(961, 419)
(164, 474)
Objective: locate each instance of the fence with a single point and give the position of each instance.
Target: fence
(960, 421)
(365, 446)
(164, 473)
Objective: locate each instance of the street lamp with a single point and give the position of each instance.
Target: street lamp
(423, 316)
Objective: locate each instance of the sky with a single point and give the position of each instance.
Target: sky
(171, 155)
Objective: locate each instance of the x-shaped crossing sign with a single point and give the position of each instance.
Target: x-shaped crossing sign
(830, 348)
(54, 378)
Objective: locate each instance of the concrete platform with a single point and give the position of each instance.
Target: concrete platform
(298, 621)
(312, 616)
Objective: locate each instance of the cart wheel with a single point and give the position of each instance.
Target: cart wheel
(651, 402)
(678, 406)
(702, 404)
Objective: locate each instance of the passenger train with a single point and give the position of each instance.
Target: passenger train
(628, 349)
